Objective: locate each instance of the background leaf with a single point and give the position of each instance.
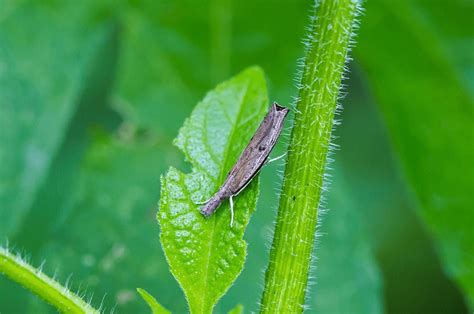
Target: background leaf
(108, 267)
(439, 112)
(346, 261)
(398, 243)
(206, 255)
(49, 99)
(35, 112)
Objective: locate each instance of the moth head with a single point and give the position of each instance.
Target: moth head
(280, 110)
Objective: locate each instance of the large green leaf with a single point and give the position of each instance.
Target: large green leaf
(382, 220)
(56, 195)
(348, 279)
(52, 88)
(429, 114)
(452, 24)
(206, 255)
(42, 77)
(109, 241)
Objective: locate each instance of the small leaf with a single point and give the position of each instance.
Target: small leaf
(156, 308)
(206, 255)
(238, 309)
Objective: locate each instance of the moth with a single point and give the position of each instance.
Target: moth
(252, 159)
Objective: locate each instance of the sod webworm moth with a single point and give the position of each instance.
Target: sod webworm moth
(252, 159)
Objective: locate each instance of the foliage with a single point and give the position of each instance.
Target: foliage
(206, 255)
(156, 308)
(439, 110)
(92, 93)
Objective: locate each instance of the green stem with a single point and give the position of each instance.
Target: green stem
(290, 257)
(37, 282)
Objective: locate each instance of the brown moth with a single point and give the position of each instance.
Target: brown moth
(254, 156)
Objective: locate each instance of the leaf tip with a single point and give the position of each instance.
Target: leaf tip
(156, 308)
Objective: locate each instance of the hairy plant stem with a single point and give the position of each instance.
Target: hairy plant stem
(48, 289)
(290, 257)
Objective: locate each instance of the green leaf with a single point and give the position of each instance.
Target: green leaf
(37, 282)
(238, 309)
(156, 308)
(112, 227)
(370, 209)
(429, 113)
(348, 279)
(56, 194)
(452, 24)
(206, 255)
(41, 83)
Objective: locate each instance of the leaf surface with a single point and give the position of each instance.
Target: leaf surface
(429, 113)
(111, 229)
(238, 309)
(40, 92)
(348, 278)
(52, 88)
(206, 255)
(156, 308)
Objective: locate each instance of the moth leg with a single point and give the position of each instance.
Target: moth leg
(203, 203)
(231, 202)
(275, 159)
(249, 181)
(243, 188)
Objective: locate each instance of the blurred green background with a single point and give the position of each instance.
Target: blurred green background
(93, 92)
